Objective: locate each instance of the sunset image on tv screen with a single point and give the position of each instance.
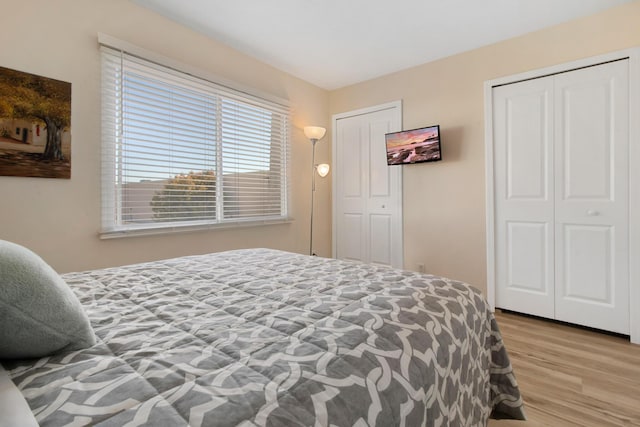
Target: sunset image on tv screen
(413, 146)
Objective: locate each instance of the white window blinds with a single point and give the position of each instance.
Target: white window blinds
(181, 151)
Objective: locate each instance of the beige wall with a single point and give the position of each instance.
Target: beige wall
(444, 202)
(60, 219)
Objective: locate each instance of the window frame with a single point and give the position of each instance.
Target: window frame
(112, 196)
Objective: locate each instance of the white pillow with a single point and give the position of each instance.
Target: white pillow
(39, 313)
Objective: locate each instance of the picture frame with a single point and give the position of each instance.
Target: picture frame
(35, 125)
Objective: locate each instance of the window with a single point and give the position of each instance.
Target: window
(180, 151)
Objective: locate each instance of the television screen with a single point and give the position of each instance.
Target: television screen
(414, 146)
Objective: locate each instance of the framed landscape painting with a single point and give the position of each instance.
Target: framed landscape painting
(35, 125)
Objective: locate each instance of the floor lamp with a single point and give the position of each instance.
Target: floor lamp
(315, 134)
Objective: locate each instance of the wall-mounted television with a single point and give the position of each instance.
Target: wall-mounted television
(414, 146)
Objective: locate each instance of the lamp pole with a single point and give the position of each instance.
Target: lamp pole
(313, 191)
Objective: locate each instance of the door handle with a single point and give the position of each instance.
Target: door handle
(592, 212)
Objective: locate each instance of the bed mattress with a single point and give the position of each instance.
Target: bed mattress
(260, 337)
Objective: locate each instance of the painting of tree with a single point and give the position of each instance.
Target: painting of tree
(186, 197)
(35, 122)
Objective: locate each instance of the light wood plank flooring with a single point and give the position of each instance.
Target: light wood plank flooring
(570, 376)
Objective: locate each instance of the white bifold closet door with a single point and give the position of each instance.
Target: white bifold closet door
(561, 191)
(368, 193)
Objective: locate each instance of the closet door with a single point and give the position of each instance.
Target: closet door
(524, 211)
(591, 197)
(367, 192)
(561, 150)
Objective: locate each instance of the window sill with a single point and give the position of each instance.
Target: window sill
(187, 228)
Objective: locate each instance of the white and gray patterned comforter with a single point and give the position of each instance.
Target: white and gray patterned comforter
(267, 338)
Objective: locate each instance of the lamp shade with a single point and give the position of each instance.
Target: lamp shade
(314, 132)
(323, 169)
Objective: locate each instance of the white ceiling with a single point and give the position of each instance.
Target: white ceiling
(335, 43)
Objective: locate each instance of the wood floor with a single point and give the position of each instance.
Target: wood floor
(570, 376)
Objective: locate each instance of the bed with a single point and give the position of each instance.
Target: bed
(261, 337)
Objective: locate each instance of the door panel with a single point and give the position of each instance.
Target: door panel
(585, 135)
(351, 247)
(351, 194)
(351, 154)
(587, 258)
(527, 144)
(592, 174)
(527, 264)
(381, 244)
(379, 176)
(523, 116)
